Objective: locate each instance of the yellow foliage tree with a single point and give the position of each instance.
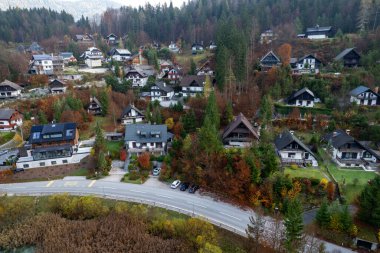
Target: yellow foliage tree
(324, 182)
(207, 87)
(169, 122)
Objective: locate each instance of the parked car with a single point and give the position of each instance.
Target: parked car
(193, 188)
(156, 171)
(175, 184)
(184, 186)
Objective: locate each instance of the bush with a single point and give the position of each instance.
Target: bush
(133, 175)
(294, 166)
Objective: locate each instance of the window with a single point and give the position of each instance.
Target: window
(53, 162)
(367, 155)
(42, 163)
(64, 161)
(25, 166)
(291, 155)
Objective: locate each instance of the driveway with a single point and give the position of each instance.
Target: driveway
(153, 182)
(116, 173)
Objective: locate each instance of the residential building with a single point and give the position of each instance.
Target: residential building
(120, 55)
(269, 61)
(9, 89)
(57, 86)
(212, 45)
(137, 77)
(303, 98)
(267, 37)
(131, 115)
(140, 138)
(239, 133)
(319, 32)
(363, 95)
(197, 48)
(192, 85)
(174, 74)
(10, 119)
(112, 39)
(173, 47)
(35, 48)
(95, 107)
(307, 65)
(160, 91)
(350, 58)
(206, 69)
(84, 38)
(348, 152)
(58, 64)
(93, 57)
(138, 59)
(293, 151)
(68, 57)
(41, 64)
(52, 145)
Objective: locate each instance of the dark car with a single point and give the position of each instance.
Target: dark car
(184, 186)
(193, 188)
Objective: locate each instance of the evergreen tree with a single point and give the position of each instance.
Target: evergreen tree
(369, 204)
(323, 215)
(212, 111)
(42, 119)
(188, 122)
(294, 225)
(345, 219)
(229, 116)
(193, 67)
(209, 137)
(255, 231)
(104, 101)
(207, 87)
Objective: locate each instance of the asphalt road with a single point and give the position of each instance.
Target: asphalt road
(219, 213)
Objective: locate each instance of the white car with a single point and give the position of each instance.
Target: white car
(156, 171)
(175, 184)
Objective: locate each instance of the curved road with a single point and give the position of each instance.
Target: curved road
(219, 213)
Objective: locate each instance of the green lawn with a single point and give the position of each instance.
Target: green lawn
(114, 148)
(6, 136)
(90, 131)
(80, 172)
(304, 173)
(346, 177)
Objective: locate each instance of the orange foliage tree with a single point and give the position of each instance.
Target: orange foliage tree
(144, 161)
(285, 52)
(39, 80)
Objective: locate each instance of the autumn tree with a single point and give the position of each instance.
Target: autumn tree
(255, 231)
(39, 80)
(285, 52)
(144, 161)
(294, 225)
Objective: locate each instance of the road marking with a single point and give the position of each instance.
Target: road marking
(92, 183)
(191, 203)
(50, 183)
(230, 216)
(71, 183)
(111, 188)
(137, 191)
(164, 196)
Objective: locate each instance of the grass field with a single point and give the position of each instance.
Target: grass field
(80, 172)
(347, 177)
(114, 148)
(5, 137)
(304, 173)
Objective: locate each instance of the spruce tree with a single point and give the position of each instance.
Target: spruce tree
(212, 111)
(369, 204)
(294, 225)
(323, 215)
(345, 219)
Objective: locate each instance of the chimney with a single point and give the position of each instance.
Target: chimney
(291, 132)
(335, 134)
(348, 131)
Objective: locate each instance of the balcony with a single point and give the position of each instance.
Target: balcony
(296, 161)
(358, 161)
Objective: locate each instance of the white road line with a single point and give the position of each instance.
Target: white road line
(92, 183)
(50, 183)
(191, 203)
(230, 216)
(137, 191)
(106, 187)
(164, 196)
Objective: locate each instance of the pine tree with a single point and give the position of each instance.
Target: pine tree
(193, 67)
(229, 116)
(323, 215)
(212, 111)
(294, 225)
(188, 122)
(345, 219)
(209, 137)
(369, 204)
(104, 101)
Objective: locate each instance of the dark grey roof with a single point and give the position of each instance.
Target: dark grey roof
(163, 86)
(42, 57)
(144, 133)
(67, 131)
(235, 123)
(286, 138)
(6, 113)
(319, 29)
(188, 80)
(35, 47)
(299, 92)
(94, 99)
(344, 53)
(57, 84)
(11, 84)
(128, 109)
(360, 89)
(271, 53)
(308, 56)
(135, 71)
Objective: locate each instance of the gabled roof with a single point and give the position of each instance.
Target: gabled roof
(96, 101)
(35, 47)
(42, 57)
(57, 84)
(11, 84)
(300, 92)
(163, 86)
(345, 52)
(135, 71)
(146, 133)
(236, 122)
(111, 35)
(66, 54)
(6, 113)
(286, 138)
(129, 108)
(268, 54)
(360, 89)
(308, 56)
(67, 130)
(122, 51)
(319, 29)
(188, 80)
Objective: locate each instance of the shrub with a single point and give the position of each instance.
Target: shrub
(294, 166)
(134, 175)
(324, 182)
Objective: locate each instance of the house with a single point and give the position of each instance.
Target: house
(174, 74)
(140, 138)
(137, 77)
(165, 65)
(111, 39)
(131, 115)
(269, 60)
(363, 95)
(239, 133)
(307, 64)
(95, 107)
(52, 145)
(205, 69)
(212, 45)
(119, 54)
(93, 57)
(350, 58)
(84, 38)
(319, 32)
(9, 89)
(138, 59)
(303, 98)
(267, 37)
(293, 151)
(173, 47)
(35, 48)
(160, 91)
(197, 48)
(348, 152)
(192, 85)
(10, 119)
(68, 57)
(41, 64)
(58, 64)
(57, 86)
